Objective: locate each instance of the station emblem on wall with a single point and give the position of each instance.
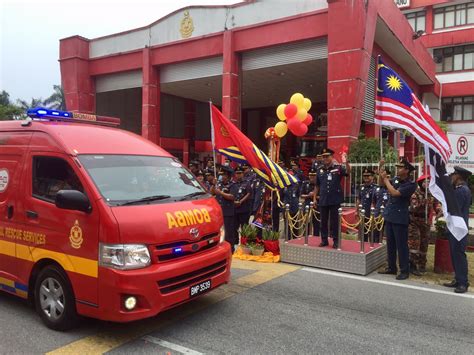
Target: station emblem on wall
(187, 25)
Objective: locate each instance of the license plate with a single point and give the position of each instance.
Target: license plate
(199, 288)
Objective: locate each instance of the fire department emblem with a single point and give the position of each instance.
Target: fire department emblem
(187, 25)
(225, 132)
(75, 236)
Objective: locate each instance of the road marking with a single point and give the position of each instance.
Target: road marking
(367, 279)
(172, 346)
(116, 335)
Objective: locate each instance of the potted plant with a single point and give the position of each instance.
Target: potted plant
(442, 259)
(257, 249)
(248, 234)
(270, 241)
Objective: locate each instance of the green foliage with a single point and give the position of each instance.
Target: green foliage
(249, 232)
(368, 149)
(441, 229)
(268, 234)
(57, 100)
(10, 112)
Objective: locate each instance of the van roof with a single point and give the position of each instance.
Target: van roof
(81, 138)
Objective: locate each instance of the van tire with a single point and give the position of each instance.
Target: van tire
(54, 299)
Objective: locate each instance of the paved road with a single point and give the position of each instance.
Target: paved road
(275, 309)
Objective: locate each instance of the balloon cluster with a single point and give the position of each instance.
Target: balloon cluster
(296, 116)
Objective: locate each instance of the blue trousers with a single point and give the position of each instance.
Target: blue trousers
(458, 259)
(397, 242)
(329, 222)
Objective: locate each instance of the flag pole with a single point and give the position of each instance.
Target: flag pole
(212, 140)
(376, 91)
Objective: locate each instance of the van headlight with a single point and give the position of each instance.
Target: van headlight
(222, 235)
(124, 256)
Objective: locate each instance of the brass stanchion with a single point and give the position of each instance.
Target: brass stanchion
(339, 231)
(305, 228)
(311, 226)
(361, 230)
(372, 227)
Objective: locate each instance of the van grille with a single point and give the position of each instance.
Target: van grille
(169, 251)
(182, 281)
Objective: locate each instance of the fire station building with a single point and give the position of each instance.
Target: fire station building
(249, 57)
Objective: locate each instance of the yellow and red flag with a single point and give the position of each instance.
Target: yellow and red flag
(232, 143)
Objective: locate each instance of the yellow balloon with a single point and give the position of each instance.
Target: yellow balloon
(281, 112)
(280, 129)
(307, 104)
(301, 114)
(297, 99)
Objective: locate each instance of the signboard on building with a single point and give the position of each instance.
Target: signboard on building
(463, 151)
(402, 4)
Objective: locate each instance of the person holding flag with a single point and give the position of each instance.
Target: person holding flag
(397, 106)
(458, 247)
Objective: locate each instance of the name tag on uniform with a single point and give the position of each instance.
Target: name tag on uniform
(385, 197)
(294, 195)
(367, 196)
(334, 170)
(240, 191)
(329, 177)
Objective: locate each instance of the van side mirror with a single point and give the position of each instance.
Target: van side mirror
(73, 200)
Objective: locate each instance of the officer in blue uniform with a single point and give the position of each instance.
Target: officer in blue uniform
(396, 217)
(317, 162)
(458, 247)
(295, 168)
(242, 199)
(251, 178)
(381, 197)
(328, 188)
(291, 196)
(208, 179)
(366, 195)
(225, 191)
(307, 192)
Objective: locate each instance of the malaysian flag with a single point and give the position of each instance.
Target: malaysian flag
(397, 106)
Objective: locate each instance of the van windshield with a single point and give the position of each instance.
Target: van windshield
(135, 179)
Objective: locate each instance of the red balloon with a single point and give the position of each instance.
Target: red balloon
(308, 120)
(290, 110)
(300, 130)
(292, 123)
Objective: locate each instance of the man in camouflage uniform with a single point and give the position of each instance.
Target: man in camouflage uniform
(421, 207)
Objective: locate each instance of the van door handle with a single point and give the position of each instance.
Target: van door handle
(10, 212)
(31, 214)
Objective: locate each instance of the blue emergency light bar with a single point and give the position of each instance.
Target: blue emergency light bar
(177, 250)
(45, 114)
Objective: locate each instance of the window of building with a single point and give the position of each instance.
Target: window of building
(451, 16)
(51, 175)
(458, 109)
(417, 20)
(454, 58)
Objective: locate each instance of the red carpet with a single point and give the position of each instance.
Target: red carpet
(350, 246)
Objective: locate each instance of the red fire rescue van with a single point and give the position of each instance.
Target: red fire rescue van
(100, 222)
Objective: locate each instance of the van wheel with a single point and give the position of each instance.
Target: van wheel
(54, 299)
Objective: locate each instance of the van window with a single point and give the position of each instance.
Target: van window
(125, 178)
(51, 175)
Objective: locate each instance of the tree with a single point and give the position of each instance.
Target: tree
(33, 103)
(368, 150)
(57, 100)
(8, 111)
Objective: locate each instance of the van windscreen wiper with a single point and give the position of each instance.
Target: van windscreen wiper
(146, 199)
(194, 194)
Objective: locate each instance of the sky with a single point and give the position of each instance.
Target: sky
(30, 32)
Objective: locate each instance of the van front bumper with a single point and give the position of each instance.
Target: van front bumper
(160, 286)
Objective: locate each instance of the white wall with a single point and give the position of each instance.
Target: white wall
(206, 21)
(455, 77)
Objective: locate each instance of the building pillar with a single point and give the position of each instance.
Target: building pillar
(351, 33)
(189, 130)
(410, 148)
(150, 99)
(429, 20)
(372, 130)
(77, 84)
(231, 81)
